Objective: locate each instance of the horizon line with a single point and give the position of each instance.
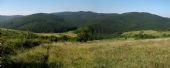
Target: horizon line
(80, 11)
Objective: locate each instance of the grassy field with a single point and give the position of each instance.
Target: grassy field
(149, 53)
(22, 49)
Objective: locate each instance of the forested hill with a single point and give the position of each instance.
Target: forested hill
(5, 18)
(40, 22)
(106, 23)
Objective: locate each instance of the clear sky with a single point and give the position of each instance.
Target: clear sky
(25, 7)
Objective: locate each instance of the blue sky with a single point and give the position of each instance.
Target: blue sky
(25, 7)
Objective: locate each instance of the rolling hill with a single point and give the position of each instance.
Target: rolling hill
(37, 23)
(36, 50)
(103, 23)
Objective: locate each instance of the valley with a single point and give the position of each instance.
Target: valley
(28, 49)
(85, 40)
(84, 34)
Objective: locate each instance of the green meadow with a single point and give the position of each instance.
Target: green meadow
(124, 52)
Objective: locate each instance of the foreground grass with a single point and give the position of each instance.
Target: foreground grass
(152, 53)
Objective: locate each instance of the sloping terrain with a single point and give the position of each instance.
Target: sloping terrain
(36, 50)
(152, 53)
(101, 23)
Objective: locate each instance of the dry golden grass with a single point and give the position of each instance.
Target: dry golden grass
(151, 53)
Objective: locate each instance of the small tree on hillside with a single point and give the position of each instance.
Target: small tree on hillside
(84, 34)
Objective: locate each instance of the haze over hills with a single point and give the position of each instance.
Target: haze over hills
(5, 18)
(105, 23)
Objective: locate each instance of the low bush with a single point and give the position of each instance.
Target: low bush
(144, 36)
(84, 34)
(29, 43)
(64, 38)
(6, 48)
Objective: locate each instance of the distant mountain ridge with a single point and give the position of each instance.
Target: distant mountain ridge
(4, 18)
(106, 23)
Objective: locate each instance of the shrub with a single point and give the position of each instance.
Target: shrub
(6, 48)
(166, 35)
(6, 62)
(64, 38)
(29, 43)
(53, 38)
(141, 35)
(84, 34)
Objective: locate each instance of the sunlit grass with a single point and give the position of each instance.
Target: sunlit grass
(151, 53)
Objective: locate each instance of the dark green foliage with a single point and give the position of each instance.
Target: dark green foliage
(166, 35)
(141, 35)
(64, 38)
(43, 62)
(53, 38)
(10, 47)
(115, 36)
(13, 40)
(101, 23)
(39, 23)
(7, 49)
(6, 62)
(29, 43)
(144, 36)
(84, 34)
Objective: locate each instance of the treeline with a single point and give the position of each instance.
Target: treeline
(88, 34)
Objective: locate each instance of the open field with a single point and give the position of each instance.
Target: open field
(34, 50)
(149, 53)
(84, 34)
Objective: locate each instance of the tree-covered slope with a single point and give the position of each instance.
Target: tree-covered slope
(38, 23)
(103, 23)
(130, 22)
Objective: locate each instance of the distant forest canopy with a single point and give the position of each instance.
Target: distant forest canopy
(97, 23)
